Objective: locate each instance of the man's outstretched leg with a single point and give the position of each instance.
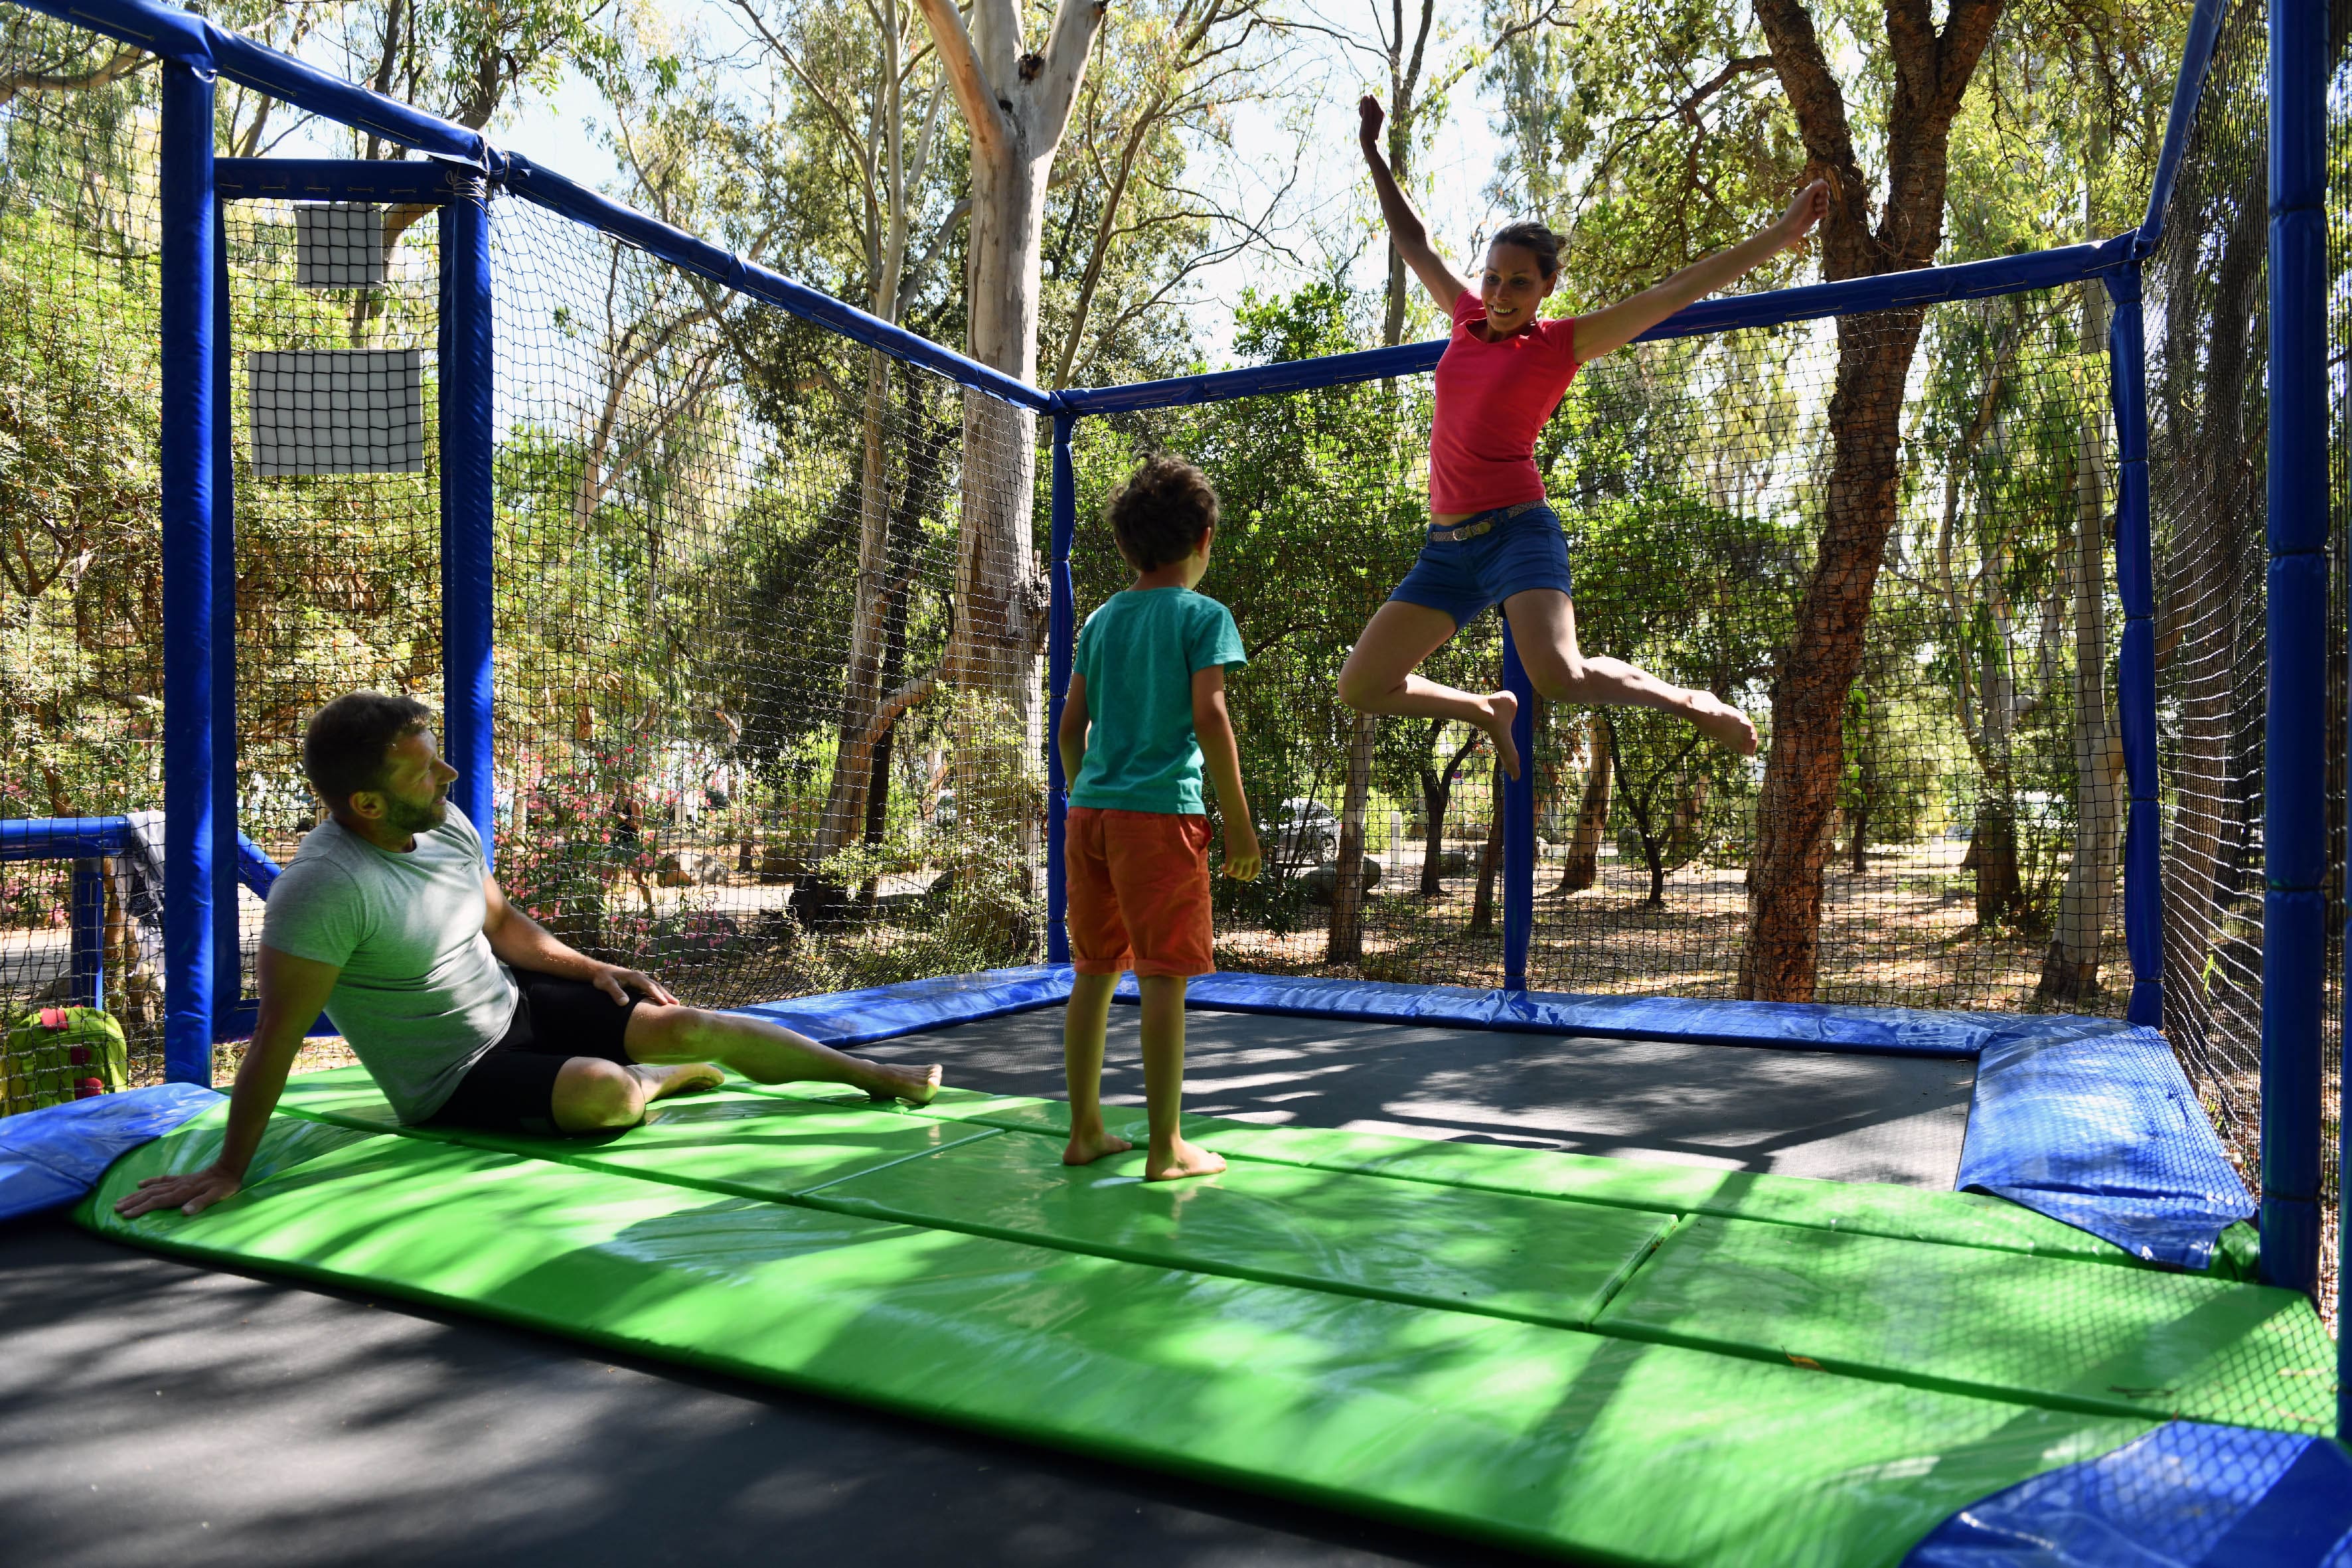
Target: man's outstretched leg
(676, 1036)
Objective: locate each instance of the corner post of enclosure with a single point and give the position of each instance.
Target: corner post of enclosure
(1061, 637)
(228, 957)
(2136, 673)
(2295, 826)
(468, 502)
(189, 482)
(1519, 808)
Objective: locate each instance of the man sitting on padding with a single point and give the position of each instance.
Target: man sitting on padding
(465, 1010)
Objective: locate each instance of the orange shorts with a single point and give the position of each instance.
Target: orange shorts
(1138, 884)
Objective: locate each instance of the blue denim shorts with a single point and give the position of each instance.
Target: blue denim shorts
(1463, 578)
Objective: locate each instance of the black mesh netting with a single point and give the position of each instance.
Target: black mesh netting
(1974, 858)
(81, 611)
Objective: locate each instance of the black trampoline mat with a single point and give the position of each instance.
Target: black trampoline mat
(1835, 1115)
(154, 1413)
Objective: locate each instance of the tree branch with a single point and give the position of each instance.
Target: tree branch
(1076, 23)
(124, 62)
(992, 133)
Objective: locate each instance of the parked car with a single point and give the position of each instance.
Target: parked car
(1304, 833)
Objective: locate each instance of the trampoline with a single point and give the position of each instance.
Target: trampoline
(1613, 1358)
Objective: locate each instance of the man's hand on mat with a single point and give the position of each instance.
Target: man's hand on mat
(618, 983)
(191, 1195)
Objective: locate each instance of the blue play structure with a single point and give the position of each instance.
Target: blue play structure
(2087, 1120)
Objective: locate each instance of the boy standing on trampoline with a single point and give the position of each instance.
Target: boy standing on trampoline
(1146, 709)
(1492, 539)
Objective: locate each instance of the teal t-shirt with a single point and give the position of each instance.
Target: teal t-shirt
(1137, 654)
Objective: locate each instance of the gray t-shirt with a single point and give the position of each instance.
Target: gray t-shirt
(421, 995)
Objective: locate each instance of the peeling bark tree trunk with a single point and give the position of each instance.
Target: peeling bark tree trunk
(1584, 868)
(1015, 102)
(1798, 807)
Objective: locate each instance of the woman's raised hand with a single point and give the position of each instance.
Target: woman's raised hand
(1370, 116)
(1812, 204)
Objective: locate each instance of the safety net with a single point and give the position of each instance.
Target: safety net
(80, 638)
(2206, 333)
(1973, 855)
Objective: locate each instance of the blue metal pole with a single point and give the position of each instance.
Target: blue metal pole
(2136, 675)
(2294, 827)
(1061, 639)
(228, 955)
(87, 964)
(468, 514)
(1518, 823)
(185, 168)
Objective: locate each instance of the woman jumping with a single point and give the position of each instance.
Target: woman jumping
(1492, 536)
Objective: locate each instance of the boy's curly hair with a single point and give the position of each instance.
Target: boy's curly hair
(1160, 514)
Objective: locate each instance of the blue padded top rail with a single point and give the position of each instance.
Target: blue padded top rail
(2088, 1120)
(2185, 1496)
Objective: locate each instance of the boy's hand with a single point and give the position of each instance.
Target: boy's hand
(1810, 205)
(1370, 116)
(1241, 850)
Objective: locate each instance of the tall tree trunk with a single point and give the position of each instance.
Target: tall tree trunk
(1482, 905)
(1436, 789)
(2070, 971)
(1347, 939)
(1347, 936)
(1584, 868)
(1015, 103)
(1799, 799)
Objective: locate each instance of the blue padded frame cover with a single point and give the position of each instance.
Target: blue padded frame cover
(2091, 1122)
(50, 1157)
(2185, 1496)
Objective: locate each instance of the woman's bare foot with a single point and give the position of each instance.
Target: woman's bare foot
(915, 1086)
(661, 1082)
(1719, 722)
(1184, 1159)
(1086, 1147)
(1504, 707)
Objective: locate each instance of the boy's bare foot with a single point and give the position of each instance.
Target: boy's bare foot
(1719, 722)
(1184, 1159)
(1504, 707)
(915, 1086)
(691, 1078)
(1086, 1147)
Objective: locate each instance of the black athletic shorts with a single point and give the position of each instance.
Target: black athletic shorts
(510, 1087)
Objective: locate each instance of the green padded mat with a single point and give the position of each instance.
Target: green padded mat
(1911, 1214)
(1493, 1351)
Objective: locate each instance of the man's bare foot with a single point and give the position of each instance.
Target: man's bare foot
(915, 1086)
(1721, 722)
(1184, 1159)
(1506, 708)
(661, 1082)
(1086, 1147)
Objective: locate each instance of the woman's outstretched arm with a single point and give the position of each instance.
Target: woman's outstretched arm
(1614, 326)
(1405, 228)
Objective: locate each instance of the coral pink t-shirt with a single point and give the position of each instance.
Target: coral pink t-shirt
(1492, 399)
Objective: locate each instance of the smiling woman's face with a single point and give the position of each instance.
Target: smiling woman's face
(1512, 285)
